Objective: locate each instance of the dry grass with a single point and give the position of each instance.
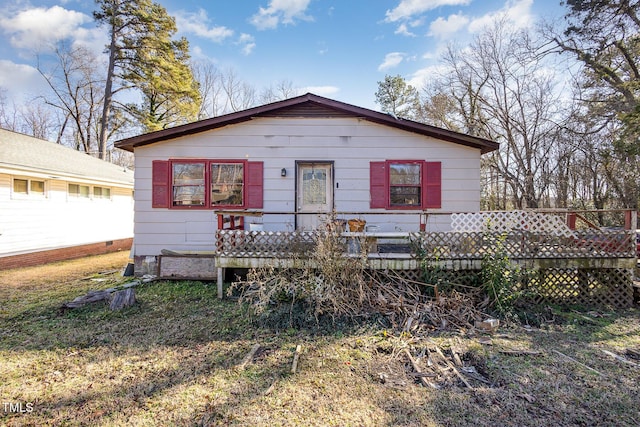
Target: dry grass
(172, 360)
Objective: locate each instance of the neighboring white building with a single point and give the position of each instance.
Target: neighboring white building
(293, 160)
(54, 198)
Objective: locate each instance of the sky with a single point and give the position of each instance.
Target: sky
(340, 49)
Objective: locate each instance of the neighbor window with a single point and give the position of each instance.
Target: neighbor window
(101, 193)
(188, 184)
(79, 191)
(28, 186)
(21, 186)
(405, 184)
(227, 183)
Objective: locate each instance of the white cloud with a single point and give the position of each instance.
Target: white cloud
(408, 8)
(421, 77)
(248, 43)
(517, 12)
(443, 28)
(404, 31)
(320, 90)
(198, 24)
(40, 27)
(391, 60)
(280, 12)
(21, 81)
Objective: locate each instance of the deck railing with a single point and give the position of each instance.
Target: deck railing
(434, 245)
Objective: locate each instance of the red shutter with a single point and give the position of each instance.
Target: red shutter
(255, 185)
(432, 185)
(378, 185)
(160, 176)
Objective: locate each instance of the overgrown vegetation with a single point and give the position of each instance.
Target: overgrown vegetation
(173, 359)
(501, 280)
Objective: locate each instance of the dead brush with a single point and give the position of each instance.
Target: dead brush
(328, 281)
(331, 282)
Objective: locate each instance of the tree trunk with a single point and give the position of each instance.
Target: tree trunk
(108, 96)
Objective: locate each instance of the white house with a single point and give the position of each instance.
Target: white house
(293, 161)
(58, 203)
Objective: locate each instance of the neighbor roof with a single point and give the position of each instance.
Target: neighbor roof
(308, 105)
(23, 154)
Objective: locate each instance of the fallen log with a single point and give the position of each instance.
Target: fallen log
(122, 299)
(123, 296)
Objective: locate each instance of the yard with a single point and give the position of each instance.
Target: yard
(178, 358)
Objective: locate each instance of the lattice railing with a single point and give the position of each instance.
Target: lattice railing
(516, 244)
(500, 222)
(264, 244)
(519, 244)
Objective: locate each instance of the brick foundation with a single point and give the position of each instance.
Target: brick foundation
(61, 254)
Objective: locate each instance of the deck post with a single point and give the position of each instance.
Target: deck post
(220, 281)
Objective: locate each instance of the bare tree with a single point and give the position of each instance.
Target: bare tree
(284, 89)
(500, 88)
(78, 95)
(209, 79)
(240, 95)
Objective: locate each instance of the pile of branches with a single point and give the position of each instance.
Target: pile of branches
(331, 284)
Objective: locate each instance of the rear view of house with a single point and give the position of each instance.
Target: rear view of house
(58, 203)
(285, 165)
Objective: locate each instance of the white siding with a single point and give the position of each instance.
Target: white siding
(31, 223)
(350, 143)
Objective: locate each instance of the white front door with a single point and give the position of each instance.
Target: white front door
(315, 193)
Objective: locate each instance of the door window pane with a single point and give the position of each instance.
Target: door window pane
(314, 186)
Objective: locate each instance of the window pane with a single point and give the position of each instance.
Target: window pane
(74, 189)
(20, 186)
(404, 174)
(37, 187)
(314, 187)
(188, 174)
(188, 184)
(227, 183)
(97, 192)
(188, 195)
(106, 193)
(84, 191)
(405, 196)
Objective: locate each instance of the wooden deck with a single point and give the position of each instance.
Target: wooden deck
(602, 263)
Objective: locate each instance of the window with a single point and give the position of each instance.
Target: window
(101, 193)
(79, 191)
(28, 187)
(405, 184)
(188, 184)
(21, 186)
(227, 184)
(207, 184)
(36, 187)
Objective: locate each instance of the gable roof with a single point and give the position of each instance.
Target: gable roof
(23, 154)
(308, 105)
